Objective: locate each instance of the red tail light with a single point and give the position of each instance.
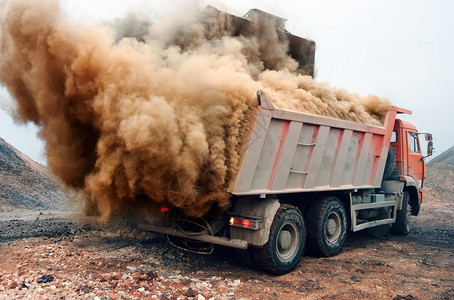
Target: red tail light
(244, 223)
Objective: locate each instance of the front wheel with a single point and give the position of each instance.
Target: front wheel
(326, 226)
(286, 242)
(402, 224)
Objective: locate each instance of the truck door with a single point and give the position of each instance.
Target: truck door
(415, 166)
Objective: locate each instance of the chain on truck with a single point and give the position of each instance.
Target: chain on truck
(304, 180)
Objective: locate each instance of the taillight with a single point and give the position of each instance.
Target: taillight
(164, 209)
(244, 223)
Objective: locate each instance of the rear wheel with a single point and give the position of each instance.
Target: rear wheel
(402, 224)
(286, 242)
(326, 226)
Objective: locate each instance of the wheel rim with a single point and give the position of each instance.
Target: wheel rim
(287, 240)
(333, 227)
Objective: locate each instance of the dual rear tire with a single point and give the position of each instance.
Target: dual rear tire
(327, 227)
(324, 231)
(286, 243)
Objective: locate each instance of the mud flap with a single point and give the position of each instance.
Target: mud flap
(261, 209)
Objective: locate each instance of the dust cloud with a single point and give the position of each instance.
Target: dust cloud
(154, 121)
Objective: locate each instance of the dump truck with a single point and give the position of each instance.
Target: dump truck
(304, 181)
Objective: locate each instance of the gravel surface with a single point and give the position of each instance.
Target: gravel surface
(61, 255)
(60, 258)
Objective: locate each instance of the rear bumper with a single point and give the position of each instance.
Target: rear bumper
(223, 241)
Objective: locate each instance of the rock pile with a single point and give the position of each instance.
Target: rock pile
(25, 184)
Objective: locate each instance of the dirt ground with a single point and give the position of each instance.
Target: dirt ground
(57, 255)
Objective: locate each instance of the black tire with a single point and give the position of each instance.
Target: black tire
(286, 243)
(415, 206)
(402, 224)
(390, 163)
(414, 209)
(326, 226)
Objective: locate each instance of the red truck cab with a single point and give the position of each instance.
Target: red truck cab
(410, 164)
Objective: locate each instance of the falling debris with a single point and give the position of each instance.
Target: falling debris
(153, 119)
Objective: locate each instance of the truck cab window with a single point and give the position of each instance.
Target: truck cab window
(413, 145)
(394, 137)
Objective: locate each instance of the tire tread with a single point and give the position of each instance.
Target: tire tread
(402, 218)
(314, 218)
(265, 257)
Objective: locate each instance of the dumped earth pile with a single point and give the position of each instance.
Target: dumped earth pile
(440, 181)
(25, 184)
(136, 118)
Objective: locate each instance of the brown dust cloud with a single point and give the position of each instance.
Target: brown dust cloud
(151, 112)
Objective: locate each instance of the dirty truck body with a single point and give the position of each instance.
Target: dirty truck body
(304, 181)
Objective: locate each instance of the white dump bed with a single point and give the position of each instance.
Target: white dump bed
(288, 152)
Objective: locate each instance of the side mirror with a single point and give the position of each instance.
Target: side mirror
(428, 137)
(430, 147)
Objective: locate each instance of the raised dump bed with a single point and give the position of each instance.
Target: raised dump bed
(292, 152)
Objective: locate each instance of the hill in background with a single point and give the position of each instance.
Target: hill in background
(446, 157)
(439, 184)
(25, 184)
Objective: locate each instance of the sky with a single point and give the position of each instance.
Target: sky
(400, 50)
